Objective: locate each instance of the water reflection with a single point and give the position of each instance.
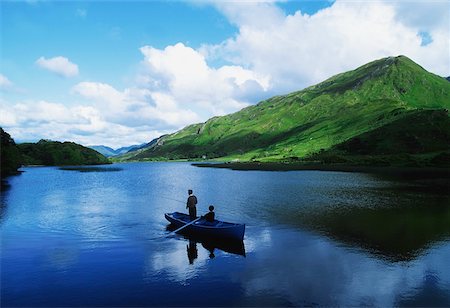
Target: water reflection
(304, 269)
(211, 245)
(397, 220)
(5, 186)
(192, 251)
(90, 169)
(397, 233)
(431, 291)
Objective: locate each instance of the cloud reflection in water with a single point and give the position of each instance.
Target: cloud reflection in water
(310, 270)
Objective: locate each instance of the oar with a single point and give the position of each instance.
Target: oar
(181, 228)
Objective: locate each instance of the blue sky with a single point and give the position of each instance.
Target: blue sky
(103, 38)
(119, 73)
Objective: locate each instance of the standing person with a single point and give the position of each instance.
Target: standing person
(191, 204)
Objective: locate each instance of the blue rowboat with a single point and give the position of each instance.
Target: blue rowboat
(216, 229)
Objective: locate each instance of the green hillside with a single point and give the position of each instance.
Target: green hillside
(54, 153)
(316, 119)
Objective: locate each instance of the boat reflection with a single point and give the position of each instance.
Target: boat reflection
(192, 251)
(235, 247)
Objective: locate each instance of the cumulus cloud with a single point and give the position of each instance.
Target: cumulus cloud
(59, 65)
(182, 73)
(33, 120)
(134, 107)
(300, 49)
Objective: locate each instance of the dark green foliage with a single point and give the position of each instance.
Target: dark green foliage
(11, 159)
(442, 159)
(321, 117)
(54, 153)
(405, 141)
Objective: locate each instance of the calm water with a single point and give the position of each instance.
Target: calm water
(71, 238)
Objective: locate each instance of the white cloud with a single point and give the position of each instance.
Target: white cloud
(135, 107)
(34, 120)
(299, 50)
(425, 15)
(7, 117)
(59, 65)
(99, 91)
(183, 73)
(5, 83)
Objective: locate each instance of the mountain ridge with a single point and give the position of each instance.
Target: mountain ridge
(108, 151)
(301, 123)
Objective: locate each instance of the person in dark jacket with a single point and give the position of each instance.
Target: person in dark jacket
(210, 216)
(191, 205)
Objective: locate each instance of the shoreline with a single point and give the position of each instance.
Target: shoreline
(388, 170)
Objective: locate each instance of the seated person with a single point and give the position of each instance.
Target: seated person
(210, 216)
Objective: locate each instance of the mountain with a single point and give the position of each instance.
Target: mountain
(130, 148)
(108, 152)
(104, 150)
(319, 118)
(11, 158)
(136, 150)
(448, 78)
(54, 153)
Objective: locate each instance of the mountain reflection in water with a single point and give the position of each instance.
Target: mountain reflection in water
(397, 222)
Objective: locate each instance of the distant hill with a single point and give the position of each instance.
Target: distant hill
(448, 78)
(136, 150)
(104, 150)
(11, 158)
(381, 96)
(54, 153)
(108, 152)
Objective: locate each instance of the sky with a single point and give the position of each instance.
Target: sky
(119, 73)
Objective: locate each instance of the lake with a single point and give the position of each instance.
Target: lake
(95, 236)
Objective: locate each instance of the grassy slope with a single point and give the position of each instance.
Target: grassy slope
(53, 153)
(319, 117)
